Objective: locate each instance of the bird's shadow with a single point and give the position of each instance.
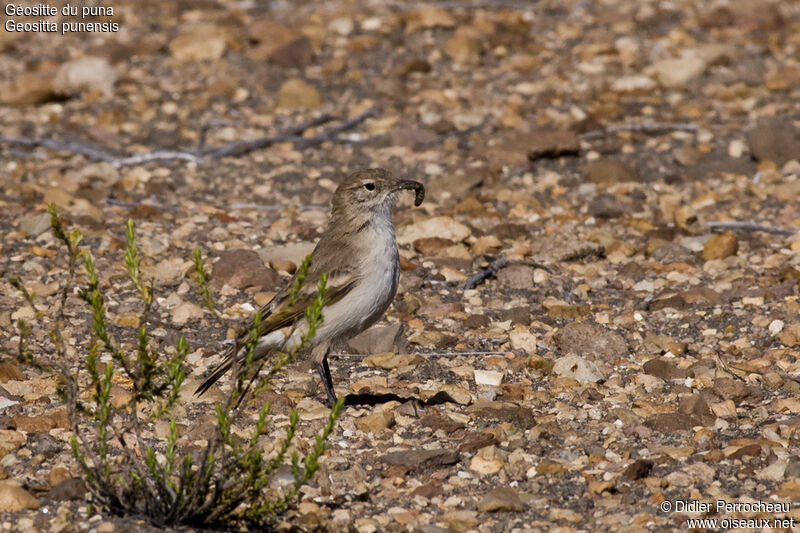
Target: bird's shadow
(368, 398)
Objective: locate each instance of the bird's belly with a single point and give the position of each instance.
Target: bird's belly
(363, 306)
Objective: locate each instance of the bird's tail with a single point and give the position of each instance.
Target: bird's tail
(218, 372)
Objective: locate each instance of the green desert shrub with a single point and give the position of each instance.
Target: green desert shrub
(127, 469)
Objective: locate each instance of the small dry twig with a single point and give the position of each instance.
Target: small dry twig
(639, 127)
(487, 272)
(237, 148)
(750, 226)
(202, 154)
(498, 264)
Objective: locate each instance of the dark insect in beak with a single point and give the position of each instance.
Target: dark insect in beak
(417, 187)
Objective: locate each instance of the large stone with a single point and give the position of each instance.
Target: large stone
(198, 43)
(776, 140)
(442, 226)
(279, 44)
(551, 143)
(501, 499)
(14, 498)
(676, 72)
(517, 277)
(592, 340)
(376, 422)
(35, 225)
(84, 75)
(664, 369)
(577, 368)
(28, 88)
(185, 312)
(377, 339)
(69, 489)
(241, 269)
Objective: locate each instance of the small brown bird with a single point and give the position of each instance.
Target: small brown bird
(358, 252)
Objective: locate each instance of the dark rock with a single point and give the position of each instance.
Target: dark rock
(510, 231)
(517, 150)
(9, 370)
(477, 321)
(69, 489)
(521, 417)
(672, 422)
(429, 490)
(776, 140)
(551, 143)
(422, 459)
(692, 297)
(749, 450)
(431, 245)
(294, 54)
(730, 389)
(475, 441)
(414, 65)
(592, 340)
(745, 14)
(517, 315)
(607, 206)
(638, 469)
(696, 405)
(664, 369)
(44, 444)
(436, 421)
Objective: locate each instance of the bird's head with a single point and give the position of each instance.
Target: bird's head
(372, 190)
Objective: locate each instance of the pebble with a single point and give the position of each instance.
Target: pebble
(14, 498)
(610, 171)
(442, 226)
(298, 94)
(720, 246)
(577, 368)
(591, 338)
(202, 42)
(501, 499)
(776, 140)
(489, 378)
(242, 268)
(84, 75)
(377, 339)
(376, 422)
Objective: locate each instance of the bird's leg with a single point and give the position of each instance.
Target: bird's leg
(320, 355)
(325, 374)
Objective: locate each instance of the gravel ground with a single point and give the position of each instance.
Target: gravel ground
(625, 174)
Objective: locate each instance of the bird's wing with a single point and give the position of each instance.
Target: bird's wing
(283, 311)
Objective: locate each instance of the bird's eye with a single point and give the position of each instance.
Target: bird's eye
(369, 186)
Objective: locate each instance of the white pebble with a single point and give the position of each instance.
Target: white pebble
(776, 326)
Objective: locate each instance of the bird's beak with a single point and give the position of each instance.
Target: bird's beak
(417, 187)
